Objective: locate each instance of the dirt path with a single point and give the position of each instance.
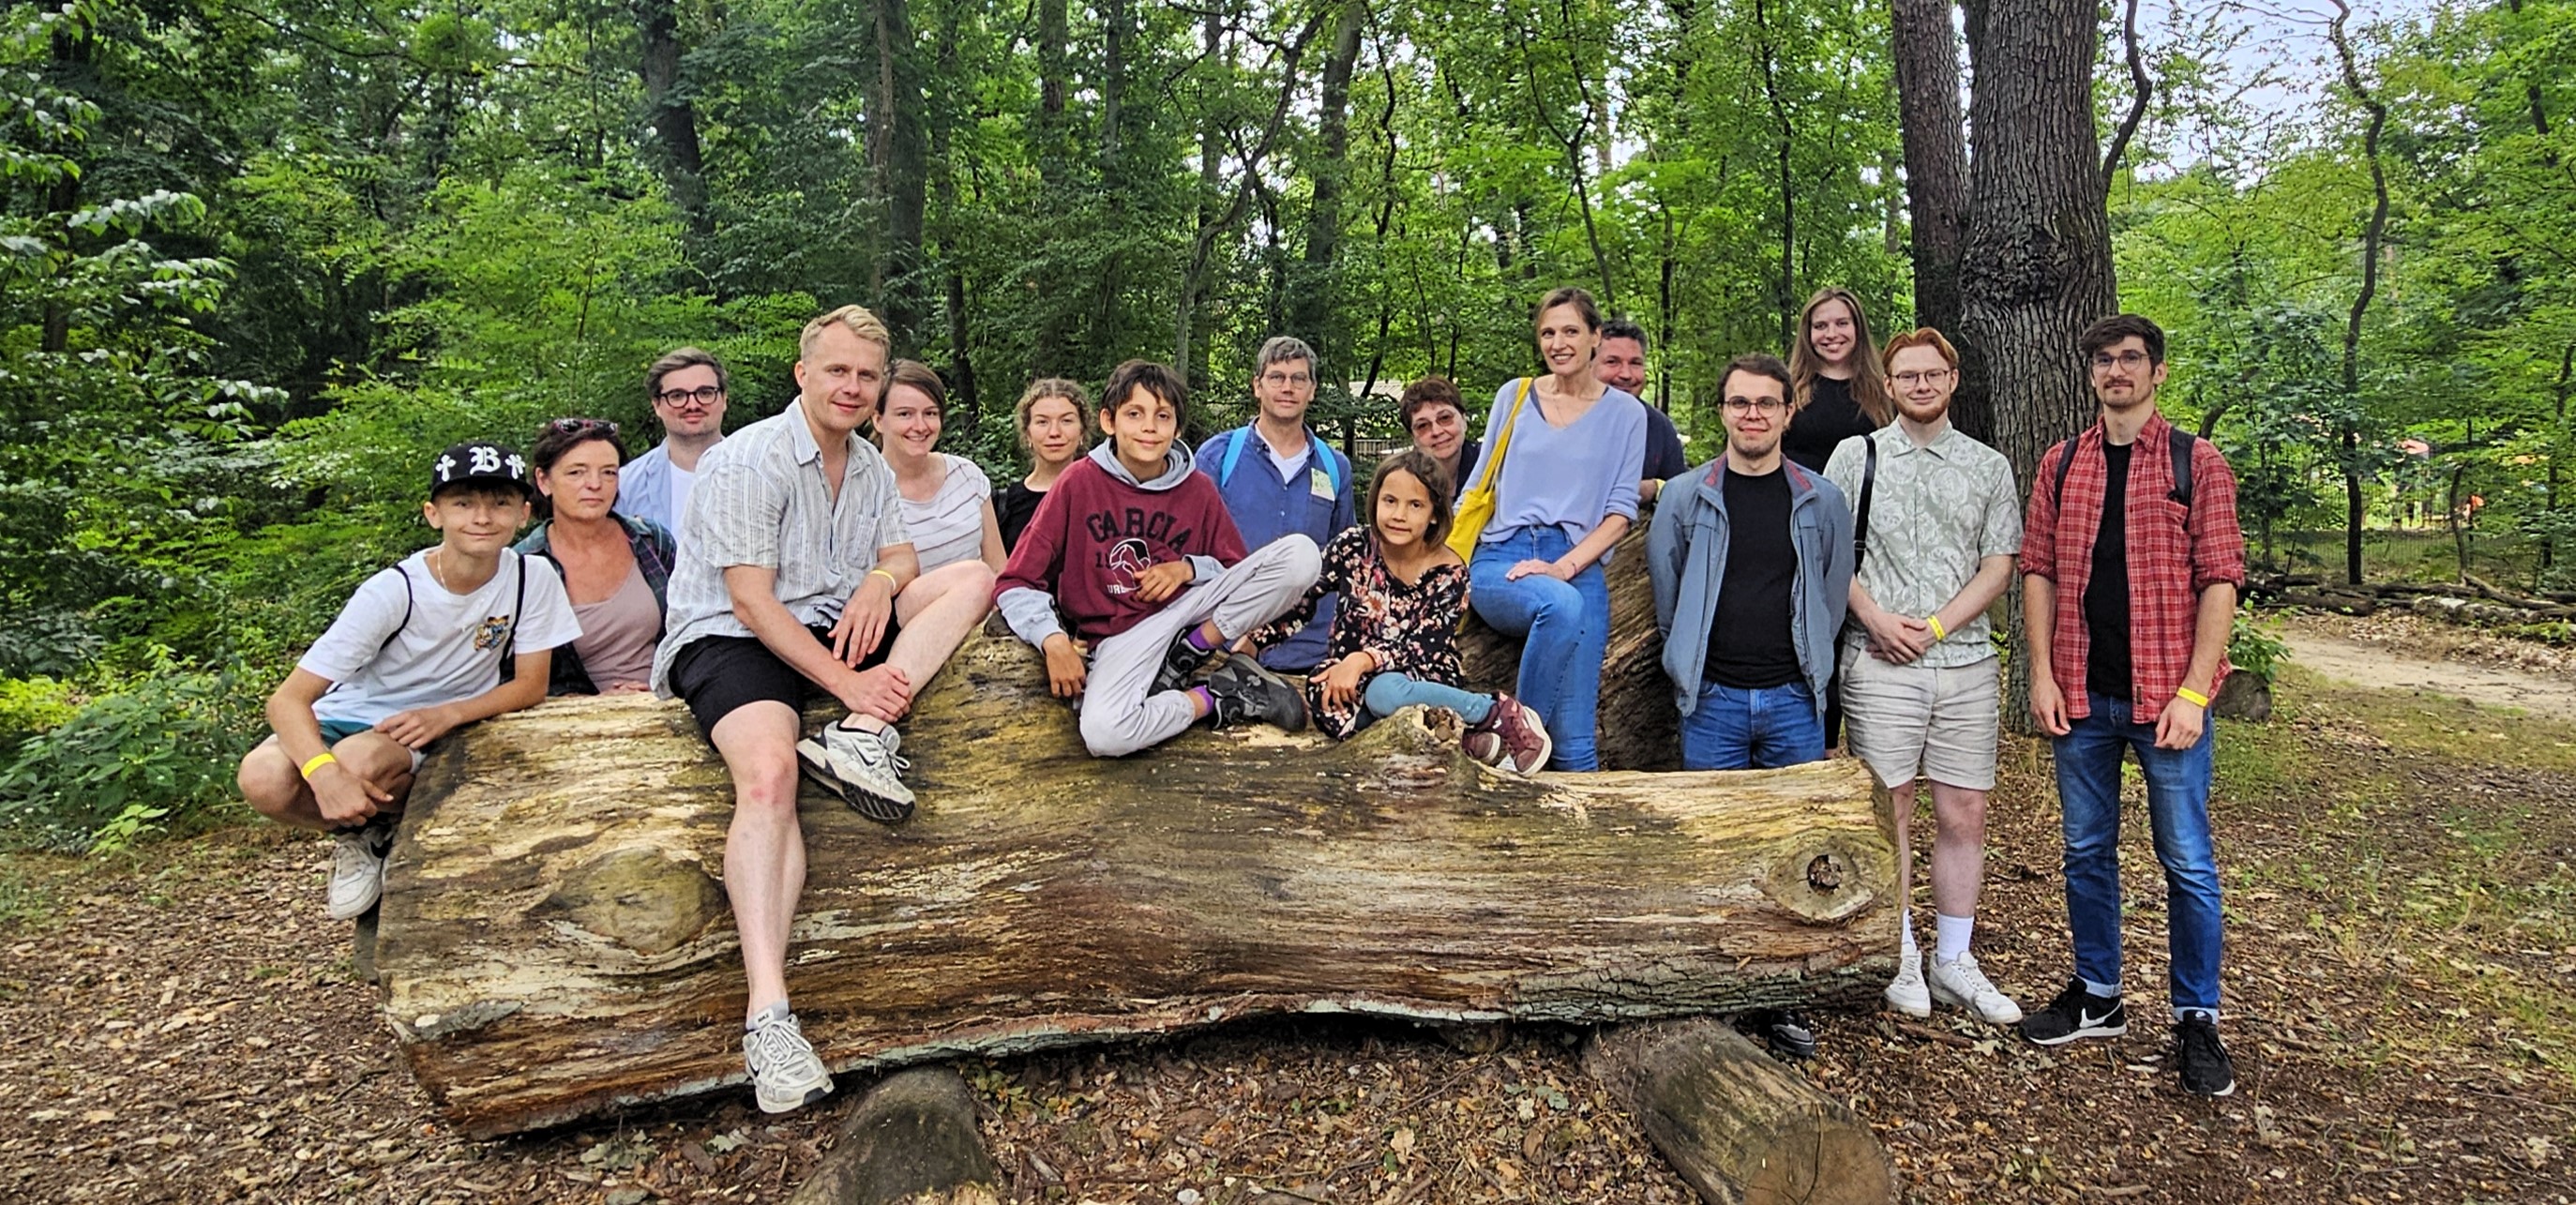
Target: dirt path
(2394, 665)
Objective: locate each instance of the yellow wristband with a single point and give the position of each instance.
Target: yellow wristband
(880, 571)
(319, 760)
(1937, 632)
(2193, 697)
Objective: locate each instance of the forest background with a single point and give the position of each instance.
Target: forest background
(258, 260)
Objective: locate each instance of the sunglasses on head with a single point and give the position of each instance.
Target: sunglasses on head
(582, 426)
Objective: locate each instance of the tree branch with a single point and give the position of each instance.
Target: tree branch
(2146, 89)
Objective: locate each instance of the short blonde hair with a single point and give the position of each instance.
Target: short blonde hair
(860, 320)
(1921, 336)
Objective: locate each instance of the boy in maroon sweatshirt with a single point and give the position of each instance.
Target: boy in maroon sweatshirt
(1135, 548)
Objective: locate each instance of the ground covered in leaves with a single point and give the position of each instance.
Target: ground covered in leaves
(183, 1025)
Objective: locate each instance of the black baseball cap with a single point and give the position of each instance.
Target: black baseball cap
(477, 462)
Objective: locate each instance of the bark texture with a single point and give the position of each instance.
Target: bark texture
(1936, 164)
(555, 941)
(912, 1139)
(1739, 1128)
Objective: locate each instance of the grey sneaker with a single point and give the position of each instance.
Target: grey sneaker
(358, 868)
(1180, 664)
(785, 1072)
(862, 768)
(1907, 993)
(1244, 690)
(1961, 985)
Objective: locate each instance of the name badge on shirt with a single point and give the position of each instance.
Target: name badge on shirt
(1320, 484)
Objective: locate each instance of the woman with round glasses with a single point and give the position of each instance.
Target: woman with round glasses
(947, 500)
(1565, 492)
(614, 566)
(1837, 385)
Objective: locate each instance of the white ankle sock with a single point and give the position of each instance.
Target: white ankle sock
(1950, 936)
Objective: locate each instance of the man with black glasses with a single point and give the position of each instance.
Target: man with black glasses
(688, 392)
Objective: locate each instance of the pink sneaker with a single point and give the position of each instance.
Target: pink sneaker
(1510, 738)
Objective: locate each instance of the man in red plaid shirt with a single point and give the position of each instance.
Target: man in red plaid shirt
(2128, 592)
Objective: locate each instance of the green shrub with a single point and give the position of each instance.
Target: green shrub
(151, 752)
(32, 705)
(2256, 647)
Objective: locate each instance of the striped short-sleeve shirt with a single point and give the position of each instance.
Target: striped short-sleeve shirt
(761, 500)
(950, 526)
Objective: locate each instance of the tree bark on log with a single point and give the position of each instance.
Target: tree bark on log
(1736, 1125)
(912, 1137)
(555, 944)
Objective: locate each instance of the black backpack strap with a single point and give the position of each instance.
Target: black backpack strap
(405, 622)
(510, 635)
(1868, 485)
(2182, 441)
(2065, 461)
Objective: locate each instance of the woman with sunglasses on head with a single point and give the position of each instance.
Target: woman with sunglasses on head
(1053, 418)
(1565, 491)
(1838, 388)
(614, 566)
(947, 500)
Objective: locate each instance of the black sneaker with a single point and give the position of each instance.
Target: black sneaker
(1180, 662)
(2206, 1069)
(1784, 1030)
(2076, 1013)
(1243, 690)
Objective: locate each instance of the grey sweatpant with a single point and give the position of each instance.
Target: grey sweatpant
(1118, 717)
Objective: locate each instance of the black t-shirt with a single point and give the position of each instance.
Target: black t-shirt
(1749, 647)
(1830, 417)
(2106, 595)
(1664, 457)
(1014, 505)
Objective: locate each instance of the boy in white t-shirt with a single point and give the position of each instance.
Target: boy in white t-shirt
(416, 652)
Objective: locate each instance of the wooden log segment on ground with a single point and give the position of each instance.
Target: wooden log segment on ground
(554, 940)
(911, 1141)
(1739, 1128)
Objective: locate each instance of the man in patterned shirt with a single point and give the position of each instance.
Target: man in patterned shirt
(2131, 565)
(1918, 661)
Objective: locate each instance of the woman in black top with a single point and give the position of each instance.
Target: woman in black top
(1053, 418)
(1840, 387)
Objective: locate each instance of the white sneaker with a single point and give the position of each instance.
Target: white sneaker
(1906, 993)
(1960, 984)
(785, 1072)
(358, 869)
(866, 765)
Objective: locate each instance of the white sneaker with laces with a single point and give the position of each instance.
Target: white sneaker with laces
(1962, 985)
(785, 1072)
(866, 762)
(358, 870)
(1906, 993)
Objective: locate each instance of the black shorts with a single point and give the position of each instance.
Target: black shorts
(716, 674)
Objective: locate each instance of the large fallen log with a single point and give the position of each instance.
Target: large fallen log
(554, 940)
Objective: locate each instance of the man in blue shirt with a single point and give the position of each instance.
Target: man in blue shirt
(687, 388)
(1278, 477)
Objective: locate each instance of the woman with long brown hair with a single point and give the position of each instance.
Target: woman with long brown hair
(1838, 387)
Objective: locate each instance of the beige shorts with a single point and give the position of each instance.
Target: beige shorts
(1911, 721)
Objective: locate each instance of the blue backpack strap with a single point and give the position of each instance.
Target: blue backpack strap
(1233, 453)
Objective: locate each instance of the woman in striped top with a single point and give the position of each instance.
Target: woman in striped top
(947, 500)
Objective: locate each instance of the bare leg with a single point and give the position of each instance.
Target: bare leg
(1958, 849)
(937, 611)
(764, 860)
(270, 784)
(1901, 799)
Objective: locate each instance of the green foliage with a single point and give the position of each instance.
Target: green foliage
(140, 754)
(2255, 646)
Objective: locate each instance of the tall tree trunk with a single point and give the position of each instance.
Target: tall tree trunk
(961, 364)
(1936, 172)
(2036, 268)
(673, 118)
(1312, 304)
(1116, 29)
(73, 44)
(2349, 429)
(895, 153)
(1784, 289)
(1054, 351)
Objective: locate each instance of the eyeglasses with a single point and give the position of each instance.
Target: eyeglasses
(1286, 378)
(582, 426)
(1749, 405)
(1930, 376)
(2131, 360)
(704, 395)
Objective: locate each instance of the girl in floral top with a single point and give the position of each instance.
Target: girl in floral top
(1394, 639)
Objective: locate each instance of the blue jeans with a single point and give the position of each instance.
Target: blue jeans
(1731, 729)
(2088, 784)
(1567, 626)
(1391, 692)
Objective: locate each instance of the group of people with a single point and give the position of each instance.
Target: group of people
(1844, 546)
